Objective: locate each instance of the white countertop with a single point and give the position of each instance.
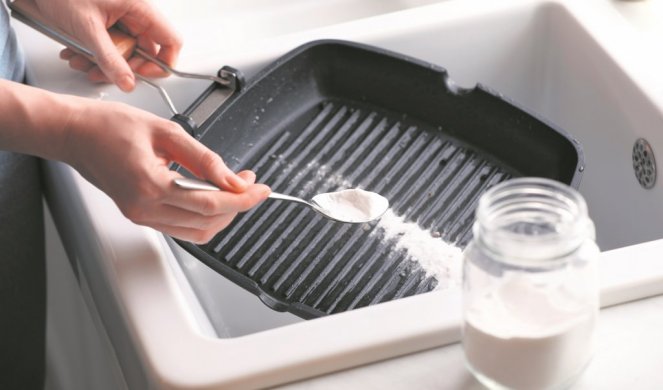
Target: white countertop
(629, 351)
(628, 356)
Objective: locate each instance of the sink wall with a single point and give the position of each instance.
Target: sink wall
(227, 24)
(548, 63)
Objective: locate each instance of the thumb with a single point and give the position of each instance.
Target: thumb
(202, 162)
(109, 59)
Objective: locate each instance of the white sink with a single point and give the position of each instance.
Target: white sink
(545, 61)
(570, 62)
(645, 16)
(226, 24)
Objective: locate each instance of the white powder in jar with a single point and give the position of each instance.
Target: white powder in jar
(439, 259)
(523, 336)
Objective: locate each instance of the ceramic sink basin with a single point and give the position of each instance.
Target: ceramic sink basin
(545, 60)
(573, 63)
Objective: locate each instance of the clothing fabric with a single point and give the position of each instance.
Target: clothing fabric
(22, 256)
(12, 64)
(22, 274)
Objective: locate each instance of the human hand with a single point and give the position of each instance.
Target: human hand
(88, 22)
(125, 152)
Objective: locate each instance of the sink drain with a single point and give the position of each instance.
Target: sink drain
(644, 163)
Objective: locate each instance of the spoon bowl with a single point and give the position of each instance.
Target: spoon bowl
(347, 206)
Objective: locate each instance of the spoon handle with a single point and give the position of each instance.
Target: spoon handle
(196, 184)
(276, 195)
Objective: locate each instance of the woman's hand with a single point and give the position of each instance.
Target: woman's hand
(88, 22)
(125, 152)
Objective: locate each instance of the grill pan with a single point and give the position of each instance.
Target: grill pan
(335, 114)
(332, 115)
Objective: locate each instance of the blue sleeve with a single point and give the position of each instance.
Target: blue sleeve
(12, 63)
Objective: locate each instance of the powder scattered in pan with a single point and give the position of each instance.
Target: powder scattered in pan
(439, 259)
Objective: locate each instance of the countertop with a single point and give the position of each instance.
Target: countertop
(629, 349)
(628, 356)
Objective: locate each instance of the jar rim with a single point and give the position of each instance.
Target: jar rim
(531, 219)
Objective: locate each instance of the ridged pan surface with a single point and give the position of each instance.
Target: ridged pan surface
(333, 115)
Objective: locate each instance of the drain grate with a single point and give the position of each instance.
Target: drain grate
(311, 266)
(644, 164)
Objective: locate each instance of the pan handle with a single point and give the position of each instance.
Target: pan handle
(27, 12)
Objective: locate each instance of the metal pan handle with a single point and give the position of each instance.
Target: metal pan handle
(27, 12)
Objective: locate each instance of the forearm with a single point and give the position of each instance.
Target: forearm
(34, 121)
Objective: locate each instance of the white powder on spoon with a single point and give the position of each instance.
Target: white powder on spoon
(354, 205)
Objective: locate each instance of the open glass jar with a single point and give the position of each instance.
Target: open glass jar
(530, 286)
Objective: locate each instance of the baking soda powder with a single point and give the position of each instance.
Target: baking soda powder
(352, 205)
(525, 337)
(439, 259)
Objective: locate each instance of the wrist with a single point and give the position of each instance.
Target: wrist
(34, 121)
(56, 128)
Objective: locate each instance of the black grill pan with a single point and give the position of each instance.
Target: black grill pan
(334, 114)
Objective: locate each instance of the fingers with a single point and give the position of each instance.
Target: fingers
(148, 68)
(80, 63)
(211, 203)
(202, 162)
(155, 36)
(167, 215)
(190, 225)
(109, 60)
(247, 176)
(162, 34)
(197, 236)
(96, 75)
(67, 53)
(77, 61)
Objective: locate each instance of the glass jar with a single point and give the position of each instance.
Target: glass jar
(530, 286)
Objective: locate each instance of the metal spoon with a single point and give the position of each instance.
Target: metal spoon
(382, 206)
